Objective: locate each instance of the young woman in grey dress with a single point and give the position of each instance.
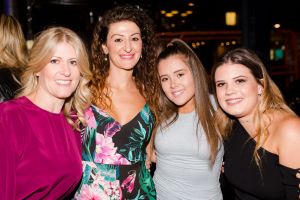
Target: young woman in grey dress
(188, 148)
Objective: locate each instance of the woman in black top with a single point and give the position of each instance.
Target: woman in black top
(262, 148)
(13, 52)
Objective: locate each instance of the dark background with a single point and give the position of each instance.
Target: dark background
(205, 29)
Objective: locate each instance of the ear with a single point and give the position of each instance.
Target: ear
(105, 49)
(260, 88)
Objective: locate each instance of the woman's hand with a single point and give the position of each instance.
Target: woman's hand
(150, 157)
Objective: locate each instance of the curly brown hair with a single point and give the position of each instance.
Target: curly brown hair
(143, 72)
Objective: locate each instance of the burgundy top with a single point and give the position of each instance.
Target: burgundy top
(40, 154)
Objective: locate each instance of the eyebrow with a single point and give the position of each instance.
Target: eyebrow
(179, 70)
(62, 58)
(123, 35)
(240, 76)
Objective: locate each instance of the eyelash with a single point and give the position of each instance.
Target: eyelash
(163, 79)
(220, 84)
(240, 81)
(180, 75)
(133, 39)
(54, 61)
(73, 62)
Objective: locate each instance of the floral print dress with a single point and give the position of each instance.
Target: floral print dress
(114, 157)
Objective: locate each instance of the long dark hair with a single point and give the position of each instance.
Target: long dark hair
(203, 107)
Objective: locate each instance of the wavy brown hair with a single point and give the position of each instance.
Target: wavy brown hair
(143, 72)
(271, 100)
(168, 111)
(40, 54)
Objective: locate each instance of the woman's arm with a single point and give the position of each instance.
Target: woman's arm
(151, 156)
(8, 159)
(289, 155)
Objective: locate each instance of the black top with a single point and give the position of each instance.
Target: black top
(272, 182)
(8, 85)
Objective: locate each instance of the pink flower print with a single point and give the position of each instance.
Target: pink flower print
(113, 190)
(88, 193)
(106, 153)
(112, 128)
(90, 118)
(128, 183)
(105, 150)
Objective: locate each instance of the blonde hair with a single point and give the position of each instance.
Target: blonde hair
(203, 106)
(271, 97)
(13, 48)
(41, 53)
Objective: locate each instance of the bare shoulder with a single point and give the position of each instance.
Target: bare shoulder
(289, 128)
(288, 137)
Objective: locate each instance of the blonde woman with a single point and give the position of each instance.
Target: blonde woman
(13, 55)
(262, 137)
(39, 146)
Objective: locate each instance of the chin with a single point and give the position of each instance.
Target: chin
(63, 96)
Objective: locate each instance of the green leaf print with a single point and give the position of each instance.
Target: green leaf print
(88, 144)
(135, 142)
(146, 114)
(146, 183)
(100, 119)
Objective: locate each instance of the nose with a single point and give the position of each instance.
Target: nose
(66, 69)
(127, 46)
(229, 89)
(173, 83)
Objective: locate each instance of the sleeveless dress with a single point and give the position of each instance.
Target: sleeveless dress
(273, 182)
(114, 157)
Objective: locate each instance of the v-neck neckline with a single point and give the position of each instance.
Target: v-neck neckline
(122, 125)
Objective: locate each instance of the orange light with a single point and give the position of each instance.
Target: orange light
(183, 15)
(169, 15)
(230, 18)
(175, 12)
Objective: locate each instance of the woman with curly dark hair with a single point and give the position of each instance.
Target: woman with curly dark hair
(121, 118)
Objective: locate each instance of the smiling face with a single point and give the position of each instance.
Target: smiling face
(177, 82)
(123, 45)
(60, 77)
(237, 90)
